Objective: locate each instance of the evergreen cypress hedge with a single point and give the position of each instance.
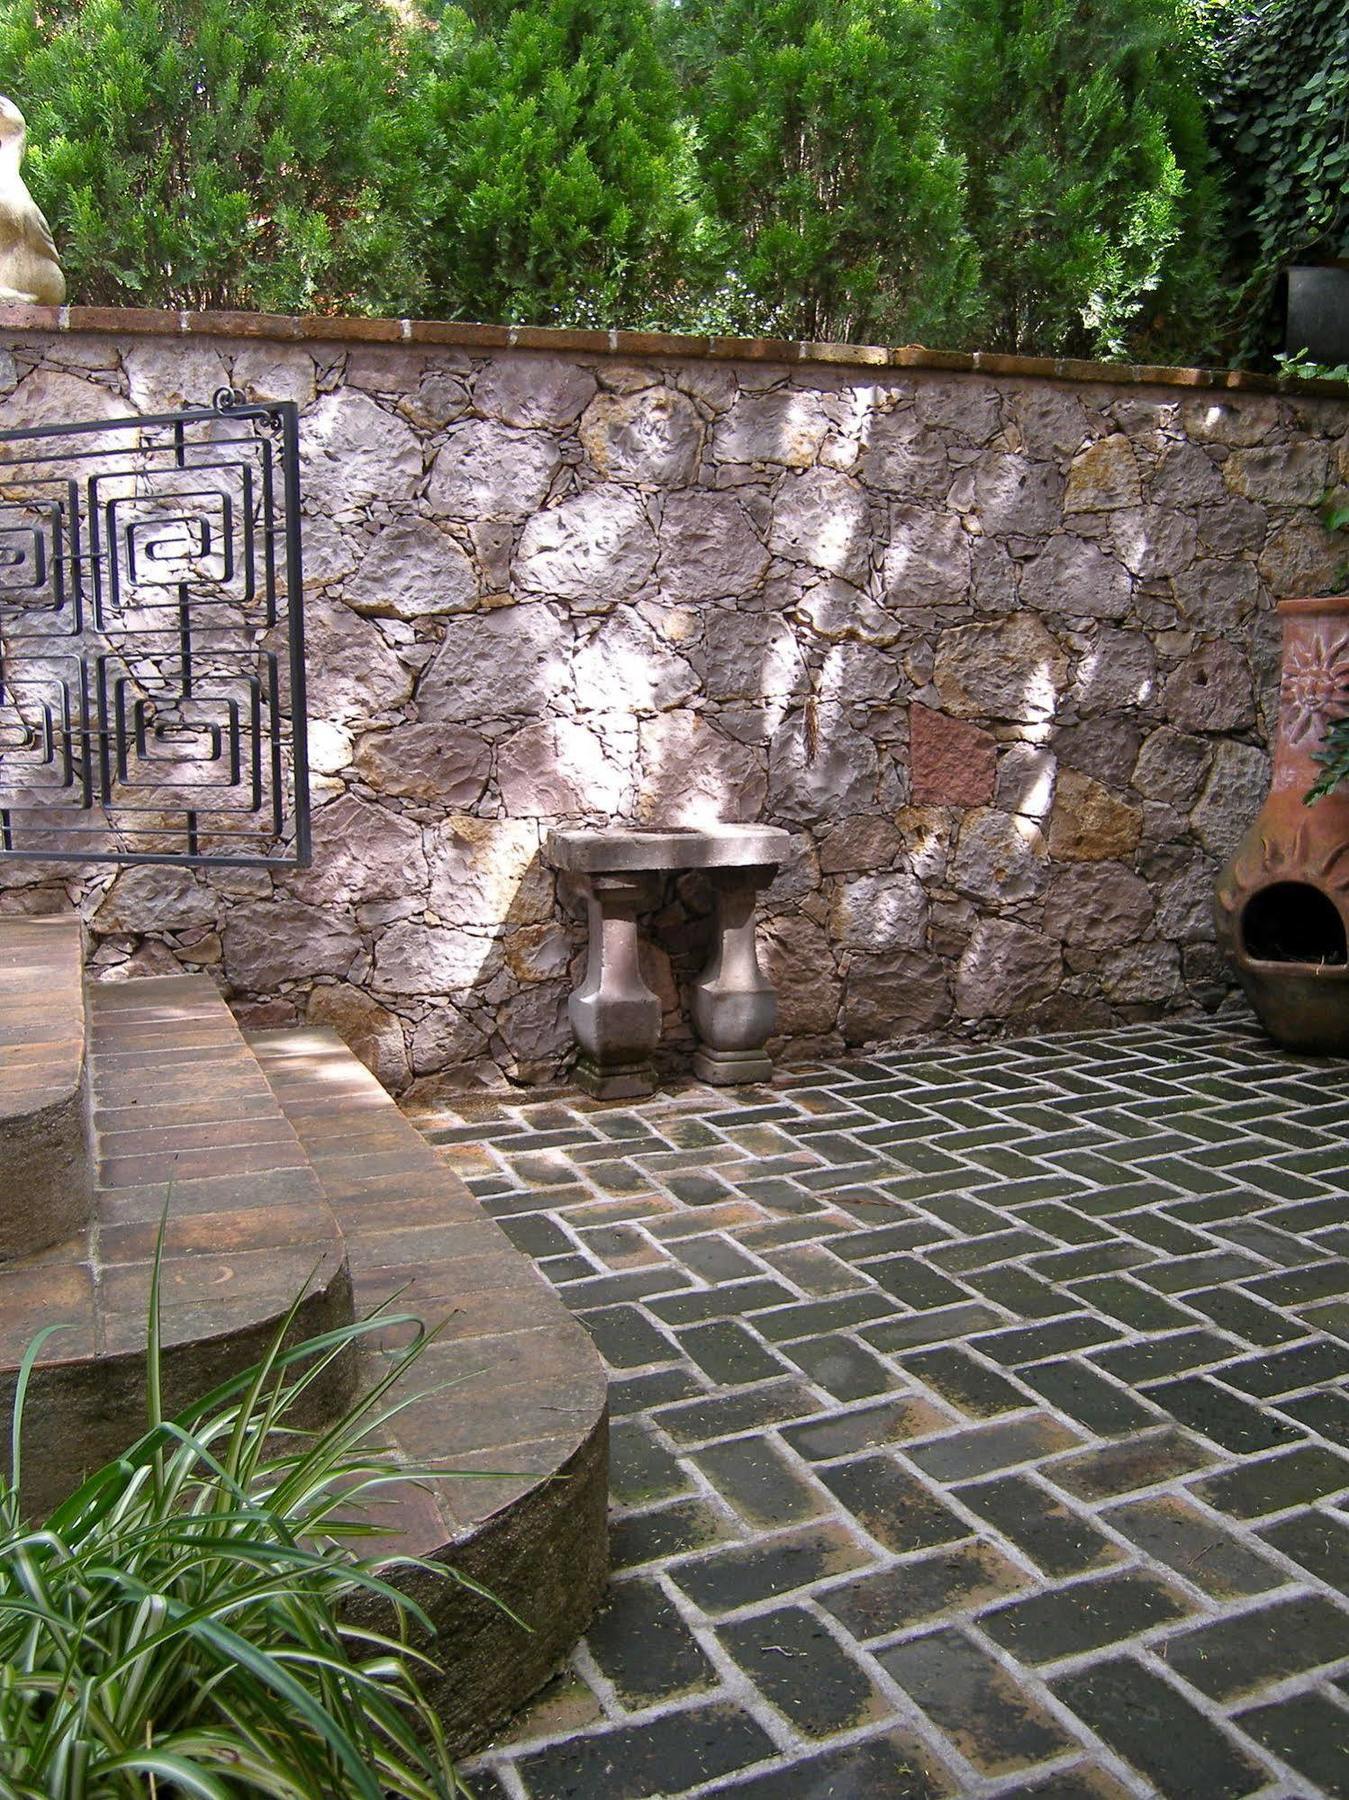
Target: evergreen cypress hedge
(220, 153)
(1016, 176)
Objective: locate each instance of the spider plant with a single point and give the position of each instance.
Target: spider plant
(180, 1624)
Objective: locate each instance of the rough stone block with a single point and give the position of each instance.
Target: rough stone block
(368, 1029)
(786, 426)
(1007, 969)
(927, 559)
(426, 762)
(1152, 541)
(463, 681)
(1211, 691)
(651, 438)
(491, 471)
(1088, 824)
(1232, 796)
(1073, 575)
(412, 570)
(821, 518)
(894, 995)
(951, 761)
(1098, 904)
(1285, 474)
(624, 667)
(1119, 671)
(1011, 495)
(998, 857)
(691, 773)
(1103, 477)
(880, 912)
(598, 547)
(353, 451)
(711, 547)
(362, 852)
(267, 944)
(536, 392)
(819, 766)
(1005, 669)
(353, 676)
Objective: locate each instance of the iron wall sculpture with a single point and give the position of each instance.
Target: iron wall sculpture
(152, 640)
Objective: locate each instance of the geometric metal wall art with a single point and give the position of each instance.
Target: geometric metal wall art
(152, 640)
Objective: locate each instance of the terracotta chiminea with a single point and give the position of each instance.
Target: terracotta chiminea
(1282, 903)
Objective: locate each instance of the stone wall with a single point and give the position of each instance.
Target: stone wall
(996, 646)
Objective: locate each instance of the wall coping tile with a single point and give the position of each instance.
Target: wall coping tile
(471, 335)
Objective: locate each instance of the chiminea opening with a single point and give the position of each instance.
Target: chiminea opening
(1293, 922)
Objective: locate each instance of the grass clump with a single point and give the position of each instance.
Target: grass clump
(182, 1623)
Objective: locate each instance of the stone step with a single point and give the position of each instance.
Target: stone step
(278, 1164)
(525, 1415)
(44, 1156)
(181, 1118)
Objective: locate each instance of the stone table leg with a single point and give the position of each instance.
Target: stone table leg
(734, 1004)
(614, 1014)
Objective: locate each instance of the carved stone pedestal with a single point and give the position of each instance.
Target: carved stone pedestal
(734, 1005)
(614, 1014)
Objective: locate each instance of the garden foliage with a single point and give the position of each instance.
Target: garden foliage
(558, 177)
(1334, 759)
(1281, 123)
(186, 1622)
(842, 208)
(1082, 133)
(226, 153)
(1027, 175)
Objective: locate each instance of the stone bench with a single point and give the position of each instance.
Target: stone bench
(614, 1014)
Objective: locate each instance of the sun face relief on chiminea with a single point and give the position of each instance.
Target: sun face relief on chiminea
(1282, 903)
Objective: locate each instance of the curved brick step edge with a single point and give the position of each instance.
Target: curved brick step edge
(45, 1174)
(529, 1399)
(177, 1102)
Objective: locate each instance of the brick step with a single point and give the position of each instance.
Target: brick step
(526, 1412)
(44, 1156)
(181, 1115)
(281, 1161)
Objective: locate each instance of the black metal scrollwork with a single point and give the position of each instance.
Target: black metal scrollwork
(152, 640)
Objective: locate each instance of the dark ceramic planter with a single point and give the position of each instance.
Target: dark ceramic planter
(1282, 903)
(1317, 303)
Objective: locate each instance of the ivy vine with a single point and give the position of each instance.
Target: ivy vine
(1281, 121)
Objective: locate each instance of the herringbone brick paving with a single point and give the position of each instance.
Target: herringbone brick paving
(980, 1423)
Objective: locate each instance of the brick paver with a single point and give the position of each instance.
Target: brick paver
(980, 1423)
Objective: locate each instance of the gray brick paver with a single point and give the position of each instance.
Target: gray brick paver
(1040, 1245)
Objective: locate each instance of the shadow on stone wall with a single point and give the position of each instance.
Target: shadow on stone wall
(998, 652)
